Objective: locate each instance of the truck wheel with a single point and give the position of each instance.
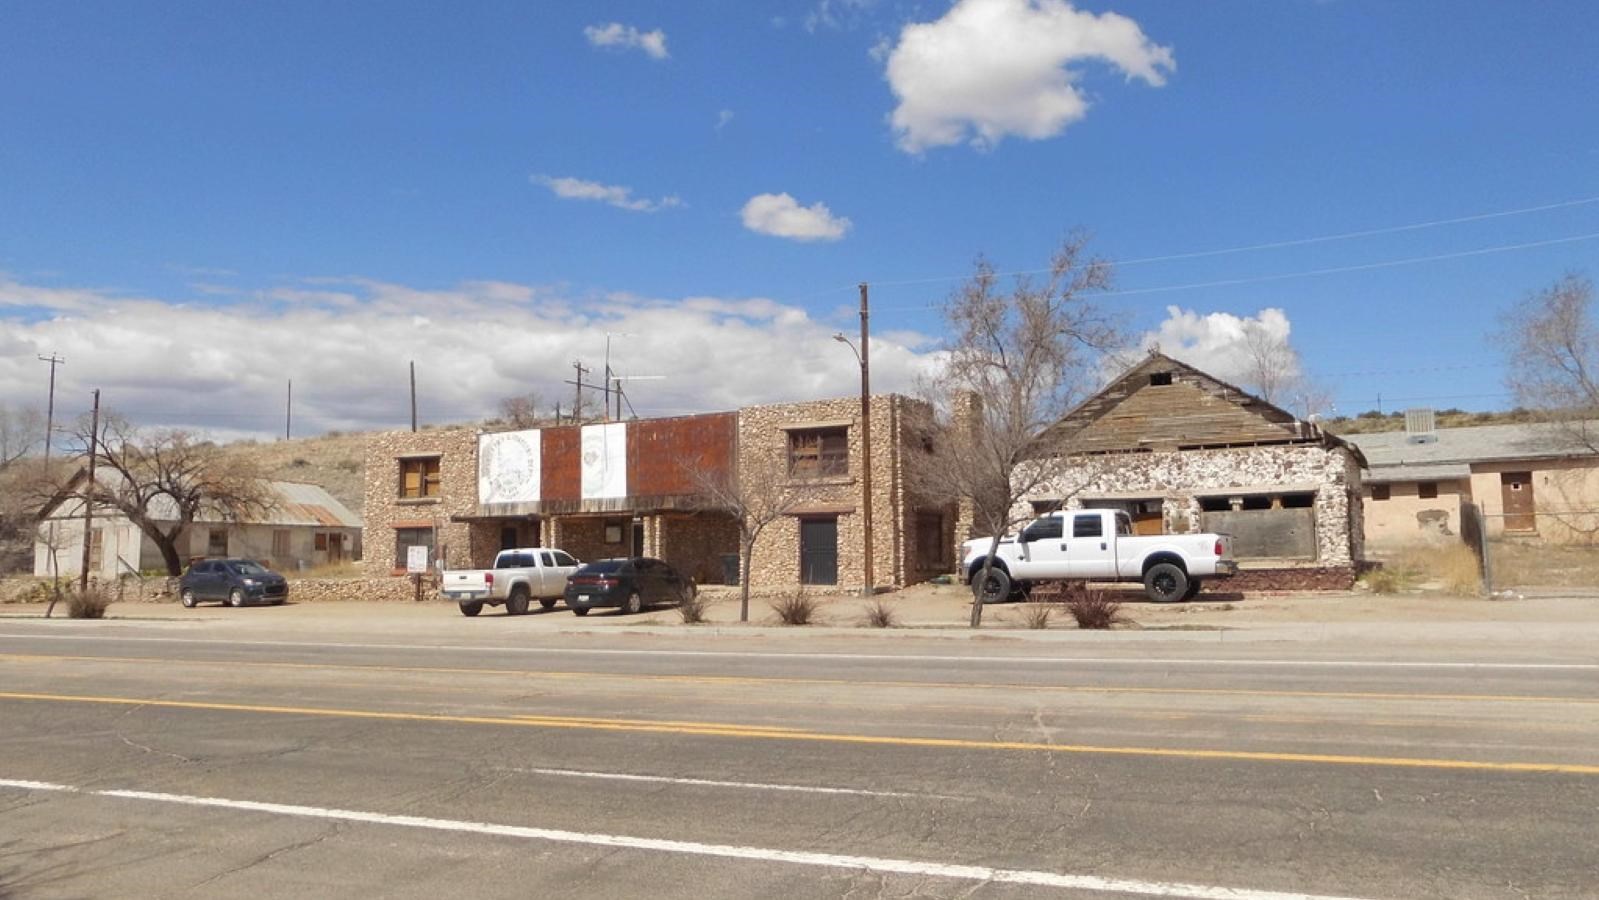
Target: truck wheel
(634, 604)
(1193, 590)
(1165, 582)
(472, 608)
(516, 604)
(547, 602)
(996, 589)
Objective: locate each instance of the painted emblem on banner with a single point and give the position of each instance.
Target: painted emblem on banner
(509, 467)
(604, 449)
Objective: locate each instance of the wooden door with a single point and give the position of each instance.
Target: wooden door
(1516, 491)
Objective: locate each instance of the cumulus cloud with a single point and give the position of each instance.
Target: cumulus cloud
(1225, 345)
(609, 194)
(780, 215)
(625, 37)
(992, 68)
(346, 343)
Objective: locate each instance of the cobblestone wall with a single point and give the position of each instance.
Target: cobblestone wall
(386, 510)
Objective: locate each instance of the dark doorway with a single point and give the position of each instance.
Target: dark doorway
(638, 538)
(1520, 513)
(508, 537)
(818, 551)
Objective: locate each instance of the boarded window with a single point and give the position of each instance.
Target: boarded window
(322, 540)
(818, 453)
(1379, 492)
(419, 477)
(280, 543)
(217, 542)
(1427, 490)
(405, 538)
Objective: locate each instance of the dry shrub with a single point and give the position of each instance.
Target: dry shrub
(692, 608)
(1093, 608)
(1451, 567)
(1387, 579)
(1036, 615)
(797, 608)
(89, 604)
(881, 615)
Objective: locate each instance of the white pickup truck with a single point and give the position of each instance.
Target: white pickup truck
(1098, 545)
(518, 577)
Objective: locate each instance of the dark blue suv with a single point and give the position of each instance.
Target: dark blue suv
(231, 581)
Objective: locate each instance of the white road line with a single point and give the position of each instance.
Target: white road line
(759, 786)
(855, 657)
(724, 851)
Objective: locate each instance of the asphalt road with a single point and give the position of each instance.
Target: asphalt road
(265, 760)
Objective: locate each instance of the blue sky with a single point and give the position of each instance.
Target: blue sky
(199, 200)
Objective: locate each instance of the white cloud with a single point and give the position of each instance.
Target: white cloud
(626, 37)
(346, 342)
(780, 215)
(1219, 343)
(610, 194)
(992, 68)
(722, 118)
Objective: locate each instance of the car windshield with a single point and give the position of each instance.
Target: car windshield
(245, 567)
(603, 567)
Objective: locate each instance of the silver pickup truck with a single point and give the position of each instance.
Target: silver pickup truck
(518, 578)
(1098, 545)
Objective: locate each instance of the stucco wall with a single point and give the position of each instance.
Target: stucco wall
(1405, 518)
(1565, 497)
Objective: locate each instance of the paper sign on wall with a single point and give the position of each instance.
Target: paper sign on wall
(416, 559)
(604, 449)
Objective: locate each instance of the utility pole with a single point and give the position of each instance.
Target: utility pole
(50, 409)
(288, 411)
(866, 441)
(88, 495)
(577, 399)
(413, 395)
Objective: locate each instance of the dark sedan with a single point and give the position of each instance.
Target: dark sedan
(235, 582)
(628, 584)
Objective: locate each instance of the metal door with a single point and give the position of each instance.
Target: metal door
(1520, 513)
(819, 551)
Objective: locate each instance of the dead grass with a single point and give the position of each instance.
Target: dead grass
(1093, 609)
(336, 462)
(1446, 568)
(881, 615)
(796, 608)
(1037, 615)
(88, 604)
(1519, 564)
(692, 609)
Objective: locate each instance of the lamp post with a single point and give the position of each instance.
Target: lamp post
(864, 358)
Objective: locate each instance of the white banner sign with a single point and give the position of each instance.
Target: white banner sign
(416, 559)
(508, 467)
(604, 450)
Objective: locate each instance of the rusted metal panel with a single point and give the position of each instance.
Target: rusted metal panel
(561, 464)
(667, 457)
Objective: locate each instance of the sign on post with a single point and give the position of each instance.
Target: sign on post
(416, 559)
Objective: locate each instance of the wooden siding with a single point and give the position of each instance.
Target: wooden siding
(1180, 414)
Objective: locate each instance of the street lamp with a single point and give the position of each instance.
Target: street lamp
(863, 357)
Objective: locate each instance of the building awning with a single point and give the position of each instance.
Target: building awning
(822, 509)
(1442, 472)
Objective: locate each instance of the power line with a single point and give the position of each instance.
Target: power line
(1310, 273)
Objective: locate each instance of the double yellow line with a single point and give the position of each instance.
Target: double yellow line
(728, 730)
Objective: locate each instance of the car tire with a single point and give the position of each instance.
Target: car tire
(997, 589)
(471, 608)
(547, 602)
(188, 599)
(516, 604)
(1194, 585)
(1165, 582)
(235, 598)
(580, 611)
(633, 605)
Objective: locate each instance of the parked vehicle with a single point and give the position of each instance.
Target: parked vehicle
(1098, 545)
(630, 584)
(518, 578)
(235, 582)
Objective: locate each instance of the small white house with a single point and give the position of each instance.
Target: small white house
(303, 527)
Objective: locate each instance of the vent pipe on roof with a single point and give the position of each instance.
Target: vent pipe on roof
(1421, 425)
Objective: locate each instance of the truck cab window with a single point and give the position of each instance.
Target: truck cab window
(1044, 529)
(1088, 526)
(1124, 525)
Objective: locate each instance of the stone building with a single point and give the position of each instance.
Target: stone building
(1182, 451)
(658, 487)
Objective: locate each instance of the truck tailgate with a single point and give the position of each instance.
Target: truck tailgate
(465, 585)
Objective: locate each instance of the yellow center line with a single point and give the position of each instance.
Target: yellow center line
(747, 680)
(739, 731)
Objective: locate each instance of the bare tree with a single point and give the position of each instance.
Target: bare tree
(21, 433)
(163, 480)
(523, 410)
(1017, 362)
(754, 504)
(1274, 372)
(1552, 346)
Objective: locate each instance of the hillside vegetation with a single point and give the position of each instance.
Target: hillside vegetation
(1371, 422)
(336, 462)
